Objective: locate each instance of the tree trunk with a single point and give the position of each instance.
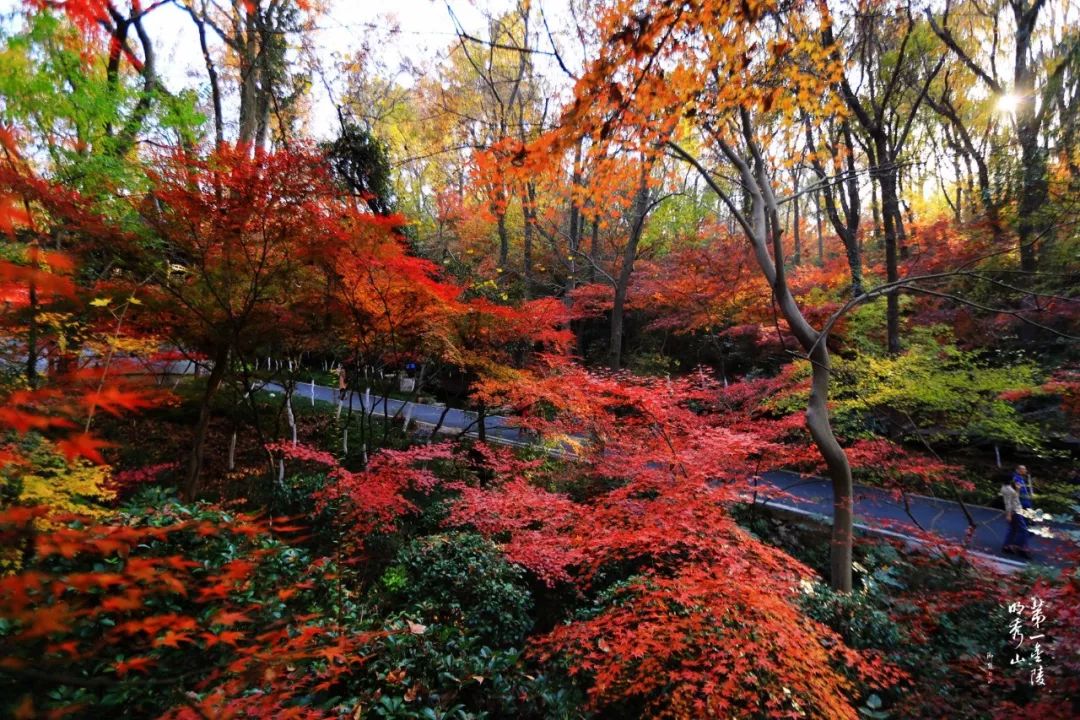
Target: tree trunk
(761, 227)
(527, 251)
(232, 451)
(594, 248)
(1033, 183)
(817, 421)
(211, 72)
(32, 339)
(875, 206)
(504, 239)
(817, 410)
(890, 211)
(845, 200)
(1033, 193)
(289, 412)
(191, 488)
(575, 226)
(249, 72)
(622, 282)
(616, 328)
(796, 256)
(820, 233)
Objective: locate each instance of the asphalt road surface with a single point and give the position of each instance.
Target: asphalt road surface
(876, 511)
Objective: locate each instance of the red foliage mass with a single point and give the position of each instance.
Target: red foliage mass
(692, 645)
(157, 608)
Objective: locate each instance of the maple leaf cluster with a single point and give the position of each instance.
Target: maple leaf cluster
(708, 621)
(213, 603)
(374, 499)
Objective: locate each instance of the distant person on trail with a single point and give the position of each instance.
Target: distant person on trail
(342, 385)
(1023, 479)
(1017, 537)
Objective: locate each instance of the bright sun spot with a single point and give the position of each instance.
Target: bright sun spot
(1008, 103)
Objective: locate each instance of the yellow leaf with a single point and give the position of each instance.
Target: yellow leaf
(100, 302)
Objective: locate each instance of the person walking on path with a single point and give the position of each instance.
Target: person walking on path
(341, 382)
(1017, 537)
(1023, 480)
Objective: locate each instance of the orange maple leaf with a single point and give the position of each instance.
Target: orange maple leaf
(228, 618)
(231, 637)
(115, 401)
(138, 664)
(48, 620)
(83, 445)
(172, 639)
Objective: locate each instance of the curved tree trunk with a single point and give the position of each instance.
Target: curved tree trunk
(817, 421)
(762, 229)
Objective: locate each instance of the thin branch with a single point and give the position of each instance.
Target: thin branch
(708, 178)
(554, 47)
(950, 42)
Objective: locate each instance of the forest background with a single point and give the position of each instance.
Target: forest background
(680, 244)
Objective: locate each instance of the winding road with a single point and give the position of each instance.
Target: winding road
(877, 511)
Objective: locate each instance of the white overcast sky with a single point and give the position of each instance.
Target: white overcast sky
(426, 29)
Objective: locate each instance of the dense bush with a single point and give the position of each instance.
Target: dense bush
(854, 615)
(441, 671)
(166, 605)
(463, 580)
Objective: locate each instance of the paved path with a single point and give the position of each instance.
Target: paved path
(876, 511)
(879, 511)
(499, 428)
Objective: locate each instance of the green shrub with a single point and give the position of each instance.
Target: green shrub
(297, 495)
(440, 671)
(462, 579)
(853, 615)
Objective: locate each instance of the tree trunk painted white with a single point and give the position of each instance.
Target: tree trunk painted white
(232, 451)
(289, 415)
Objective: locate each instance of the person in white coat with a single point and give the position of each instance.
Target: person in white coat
(1017, 537)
